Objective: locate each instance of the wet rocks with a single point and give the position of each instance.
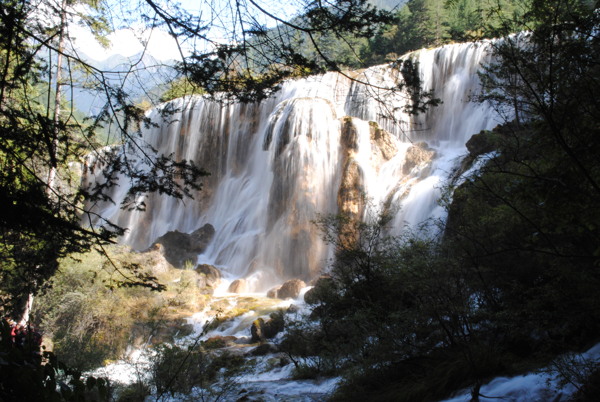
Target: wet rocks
(261, 329)
(180, 248)
(383, 140)
(263, 350)
(349, 197)
(349, 134)
(142, 333)
(257, 330)
(418, 155)
(482, 143)
(217, 342)
(272, 293)
(290, 289)
(238, 286)
(209, 276)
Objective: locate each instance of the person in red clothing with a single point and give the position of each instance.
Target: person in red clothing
(13, 332)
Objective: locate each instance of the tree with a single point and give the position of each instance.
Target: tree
(527, 223)
(43, 210)
(257, 58)
(514, 279)
(42, 205)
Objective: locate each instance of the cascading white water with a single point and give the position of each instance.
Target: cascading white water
(276, 165)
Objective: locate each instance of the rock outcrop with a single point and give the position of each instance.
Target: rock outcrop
(217, 342)
(154, 260)
(418, 155)
(483, 142)
(291, 289)
(272, 293)
(180, 248)
(383, 140)
(211, 276)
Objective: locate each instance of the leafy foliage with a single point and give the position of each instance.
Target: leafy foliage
(179, 370)
(27, 373)
(513, 280)
(257, 59)
(41, 139)
(426, 23)
(91, 320)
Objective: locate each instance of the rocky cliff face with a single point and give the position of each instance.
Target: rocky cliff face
(181, 248)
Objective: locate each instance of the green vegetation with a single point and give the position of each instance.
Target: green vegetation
(41, 202)
(509, 283)
(91, 321)
(177, 370)
(417, 24)
(179, 88)
(511, 280)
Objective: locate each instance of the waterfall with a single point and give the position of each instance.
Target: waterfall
(310, 149)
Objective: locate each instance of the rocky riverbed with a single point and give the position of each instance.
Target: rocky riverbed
(241, 328)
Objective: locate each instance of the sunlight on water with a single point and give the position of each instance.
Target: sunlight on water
(276, 165)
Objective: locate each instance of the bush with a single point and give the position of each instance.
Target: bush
(136, 392)
(90, 321)
(180, 370)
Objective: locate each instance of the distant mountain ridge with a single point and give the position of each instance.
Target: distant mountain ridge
(143, 76)
(138, 76)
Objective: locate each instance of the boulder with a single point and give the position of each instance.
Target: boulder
(217, 342)
(274, 326)
(291, 289)
(272, 293)
(180, 248)
(154, 259)
(256, 330)
(482, 143)
(261, 329)
(201, 238)
(263, 349)
(238, 286)
(210, 275)
(384, 141)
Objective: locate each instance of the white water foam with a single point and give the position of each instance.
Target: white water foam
(276, 165)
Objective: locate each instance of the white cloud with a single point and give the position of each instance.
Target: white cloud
(126, 42)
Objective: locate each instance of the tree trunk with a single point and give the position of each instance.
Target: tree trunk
(26, 310)
(51, 182)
